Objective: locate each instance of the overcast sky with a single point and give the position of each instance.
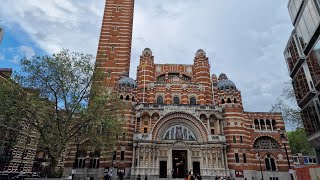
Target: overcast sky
(244, 39)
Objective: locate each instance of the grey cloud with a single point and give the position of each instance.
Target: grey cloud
(244, 39)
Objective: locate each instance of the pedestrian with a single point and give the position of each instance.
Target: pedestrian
(87, 177)
(199, 177)
(106, 176)
(110, 174)
(192, 176)
(121, 175)
(70, 177)
(146, 177)
(139, 177)
(91, 177)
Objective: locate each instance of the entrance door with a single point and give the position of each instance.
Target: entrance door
(163, 169)
(179, 163)
(196, 167)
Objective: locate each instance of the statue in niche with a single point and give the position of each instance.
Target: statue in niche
(178, 133)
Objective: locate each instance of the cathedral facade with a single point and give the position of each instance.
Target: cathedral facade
(182, 117)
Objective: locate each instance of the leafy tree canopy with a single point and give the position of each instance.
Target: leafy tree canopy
(299, 143)
(57, 103)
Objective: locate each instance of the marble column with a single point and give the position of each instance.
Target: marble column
(217, 160)
(207, 164)
(138, 156)
(133, 156)
(144, 157)
(149, 163)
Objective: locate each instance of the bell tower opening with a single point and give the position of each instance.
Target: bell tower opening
(179, 163)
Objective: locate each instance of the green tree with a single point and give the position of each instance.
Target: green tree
(287, 105)
(299, 143)
(59, 109)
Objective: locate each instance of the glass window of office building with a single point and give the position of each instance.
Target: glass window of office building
(308, 22)
(294, 6)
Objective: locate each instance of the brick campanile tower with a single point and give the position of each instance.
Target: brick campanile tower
(114, 49)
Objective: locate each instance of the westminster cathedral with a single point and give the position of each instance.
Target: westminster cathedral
(182, 117)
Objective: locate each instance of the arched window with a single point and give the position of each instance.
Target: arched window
(256, 124)
(235, 100)
(270, 163)
(121, 97)
(265, 143)
(132, 98)
(159, 100)
(193, 101)
(268, 125)
(222, 101)
(263, 125)
(127, 97)
(229, 100)
(176, 100)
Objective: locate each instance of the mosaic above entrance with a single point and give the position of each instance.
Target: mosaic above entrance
(179, 132)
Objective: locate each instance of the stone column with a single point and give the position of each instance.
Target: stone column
(207, 164)
(208, 126)
(225, 159)
(259, 124)
(218, 126)
(217, 160)
(138, 156)
(271, 125)
(189, 159)
(169, 162)
(133, 156)
(265, 125)
(144, 157)
(211, 154)
(149, 163)
(153, 160)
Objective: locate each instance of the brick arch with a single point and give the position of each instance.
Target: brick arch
(175, 118)
(265, 135)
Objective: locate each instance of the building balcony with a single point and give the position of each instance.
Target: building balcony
(217, 138)
(143, 137)
(176, 107)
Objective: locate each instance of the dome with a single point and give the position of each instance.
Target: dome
(127, 82)
(226, 84)
(222, 76)
(200, 52)
(147, 51)
(213, 76)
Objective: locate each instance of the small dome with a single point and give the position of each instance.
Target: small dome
(222, 76)
(147, 51)
(213, 76)
(127, 82)
(226, 84)
(200, 52)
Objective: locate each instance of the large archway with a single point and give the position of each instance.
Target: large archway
(182, 126)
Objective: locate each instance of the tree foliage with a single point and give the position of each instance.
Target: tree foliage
(287, 105)
(59, 109)
(299, 143)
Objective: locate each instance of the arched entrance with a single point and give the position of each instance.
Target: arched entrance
(179, 163)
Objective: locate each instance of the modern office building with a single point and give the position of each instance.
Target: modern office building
(182, 117)
(302, 55)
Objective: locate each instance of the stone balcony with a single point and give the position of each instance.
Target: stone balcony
(217, 138)
(178, 107)
(144, 137)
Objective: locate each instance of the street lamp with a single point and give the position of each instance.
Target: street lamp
(260, 167)
(285, 148)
